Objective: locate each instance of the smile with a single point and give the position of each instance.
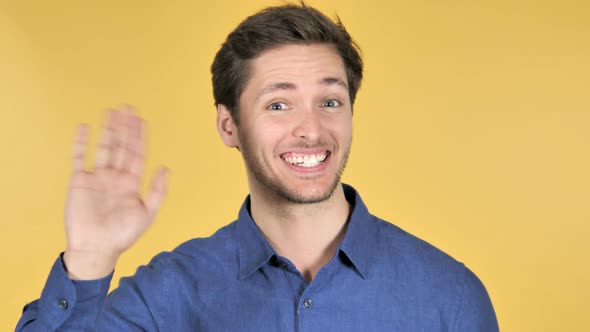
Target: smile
(305, 160)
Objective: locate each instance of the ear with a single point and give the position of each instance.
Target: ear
(226, 127)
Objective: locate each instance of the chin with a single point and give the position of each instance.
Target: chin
(308, 195)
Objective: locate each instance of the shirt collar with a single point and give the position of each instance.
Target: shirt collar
(359, 241)
(255, 251)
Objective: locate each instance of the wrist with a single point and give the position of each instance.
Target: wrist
(85, 265)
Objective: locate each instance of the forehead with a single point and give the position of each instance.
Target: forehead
(296, 64)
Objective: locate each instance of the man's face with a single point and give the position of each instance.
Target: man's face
(295, 126)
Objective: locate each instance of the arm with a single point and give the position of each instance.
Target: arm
(82, 305)
(104, 215)
(65, 300)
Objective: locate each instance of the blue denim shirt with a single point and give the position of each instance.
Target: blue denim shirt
(381, 279)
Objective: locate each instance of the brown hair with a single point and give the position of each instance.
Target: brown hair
(272, 27)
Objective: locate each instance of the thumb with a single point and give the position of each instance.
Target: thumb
(157, 192)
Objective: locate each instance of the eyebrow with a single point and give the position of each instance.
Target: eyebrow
(327, 81)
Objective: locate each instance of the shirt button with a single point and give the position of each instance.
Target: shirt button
(307, 303)
(62, 304)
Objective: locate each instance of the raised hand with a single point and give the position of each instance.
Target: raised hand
(105, 213)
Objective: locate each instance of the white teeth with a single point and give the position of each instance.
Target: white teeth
(307, 161)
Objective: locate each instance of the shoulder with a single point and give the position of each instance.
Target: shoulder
(419, 264)
(193, 263)
(208, 253)
(432, 276)
(166, 287)
(390, 251)
(400, 247)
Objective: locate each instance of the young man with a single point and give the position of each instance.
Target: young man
(304, 254)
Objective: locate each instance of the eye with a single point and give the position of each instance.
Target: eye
(331, 103)
(277, 107)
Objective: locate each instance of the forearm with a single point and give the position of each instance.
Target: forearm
(65, 304)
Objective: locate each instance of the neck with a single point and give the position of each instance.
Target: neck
(307, 234)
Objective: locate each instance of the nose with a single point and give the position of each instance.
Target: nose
(308, 125)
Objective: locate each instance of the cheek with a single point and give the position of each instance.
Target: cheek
(273, 127)
(342, 128)
(264, 134)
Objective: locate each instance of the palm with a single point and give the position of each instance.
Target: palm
(104, 206)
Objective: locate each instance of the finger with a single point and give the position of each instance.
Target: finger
(137, 163)
(155, 196)
(80, 147)
(105, 147)
(118, 149)
(129, 123)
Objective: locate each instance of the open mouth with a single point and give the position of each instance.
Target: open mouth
(305, 159)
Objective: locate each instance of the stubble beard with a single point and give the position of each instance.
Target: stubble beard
(281, 189)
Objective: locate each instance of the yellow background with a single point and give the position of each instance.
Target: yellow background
(472, 131)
